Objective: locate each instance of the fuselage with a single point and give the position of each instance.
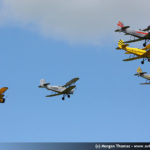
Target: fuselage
(138, 34)
(146, 76)
(58, 89)
(136, 51)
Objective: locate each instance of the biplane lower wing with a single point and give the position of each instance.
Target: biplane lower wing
(144, 83)
(136, 40)
(54, 95)
(134, 58)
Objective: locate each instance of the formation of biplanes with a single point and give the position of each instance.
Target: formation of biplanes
(137, 53)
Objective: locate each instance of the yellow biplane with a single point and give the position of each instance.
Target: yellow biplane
(2, 90)
(139, 53)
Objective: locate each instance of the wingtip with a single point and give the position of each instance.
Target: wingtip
(118, 48)
(144, 83)
(77, 78)
(117, 30)
(126, 59)
(136, 74)
(6, 87)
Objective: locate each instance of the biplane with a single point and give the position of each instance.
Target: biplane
(143, 75)
(2, 91)
(143, 53)
(138, 34)
(65, 90)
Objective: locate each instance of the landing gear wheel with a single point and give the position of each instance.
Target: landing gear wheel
(63, 98)
(144, 44)
(142, 62)
(149, 59)
(68, 96)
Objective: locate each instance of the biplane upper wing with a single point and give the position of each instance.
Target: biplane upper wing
(54, 95)
(134, 58)
(71, 82)
(2, 90)
(131, 41)
(69, 89)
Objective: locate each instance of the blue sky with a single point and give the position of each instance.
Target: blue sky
(108, 105)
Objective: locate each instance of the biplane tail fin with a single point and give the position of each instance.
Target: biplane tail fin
(139, 72)
(43, 83)
(121, 44)
(121, 27)
(120, 24)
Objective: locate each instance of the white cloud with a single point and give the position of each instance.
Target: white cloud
(87, 21)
